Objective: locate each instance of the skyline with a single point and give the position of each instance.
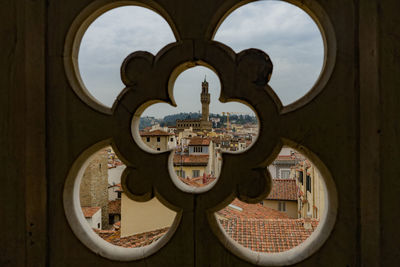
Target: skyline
(288, 36)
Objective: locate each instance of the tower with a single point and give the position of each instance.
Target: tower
(205, 100)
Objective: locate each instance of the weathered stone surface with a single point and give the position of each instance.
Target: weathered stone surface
(349, 124)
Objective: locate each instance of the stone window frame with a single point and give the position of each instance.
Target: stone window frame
(70, 62)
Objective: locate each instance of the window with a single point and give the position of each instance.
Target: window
(158, 139)
(308, 183)
(285, 174)
(110, 219)
(198, 149)
(147, 139)
(282, 206)
(195, 173)
(171, 140)
(158, 149)
(300, 177)
(98, 225)
(119, 194)
(181, 173)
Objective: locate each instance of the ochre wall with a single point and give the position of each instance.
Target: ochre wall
(140, 217)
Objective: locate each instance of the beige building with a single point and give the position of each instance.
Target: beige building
(159, 140)
(283, 197)
(201, 158)
(140, 217)
(311, 202)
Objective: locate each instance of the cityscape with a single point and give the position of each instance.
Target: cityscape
(287, 217)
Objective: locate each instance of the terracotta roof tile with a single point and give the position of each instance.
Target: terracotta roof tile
(114, 207)
(138, 240)
(271, 235)
(197, 181)
(190, 159)
(155, 133)
(283, 189)
(199, 142)
(88, 212)
(250, 211)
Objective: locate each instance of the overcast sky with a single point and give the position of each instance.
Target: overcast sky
(286, 33)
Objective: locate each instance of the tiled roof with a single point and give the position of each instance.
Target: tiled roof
(190, 159)
(271, 235)
(155, 133)
(88, 212)
(114, 207)
(250, 211)
(283, 189)
(256, 227)
(199, 142)
(197, 181)
(138, 240)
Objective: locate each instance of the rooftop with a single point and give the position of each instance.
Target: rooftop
(268, 235)
(114, 206)
(283, 189)
(195, 141)
(138, 240)
(239, 209)
(190, 160)
(155, 133)
(88, 212)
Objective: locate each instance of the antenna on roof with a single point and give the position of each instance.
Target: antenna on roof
(205, 78)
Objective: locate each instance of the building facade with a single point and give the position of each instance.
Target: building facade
(93, 190)
(159, 140)
(203, 124)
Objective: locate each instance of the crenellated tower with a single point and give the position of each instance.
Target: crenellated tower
(205, 101)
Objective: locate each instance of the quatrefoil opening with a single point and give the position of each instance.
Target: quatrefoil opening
(237, 85)
(143, 90)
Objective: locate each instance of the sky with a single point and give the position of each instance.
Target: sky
(285, 32)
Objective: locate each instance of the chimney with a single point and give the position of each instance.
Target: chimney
(204, 178)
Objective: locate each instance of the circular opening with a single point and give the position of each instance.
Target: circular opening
(288, 35)
(198, 130)
(104, 218)
(291, 223)
(106, 43)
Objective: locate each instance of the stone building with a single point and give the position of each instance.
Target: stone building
(203, 124)
(159, 140)
(93, 190)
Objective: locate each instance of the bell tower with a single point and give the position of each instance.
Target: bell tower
(205, 100)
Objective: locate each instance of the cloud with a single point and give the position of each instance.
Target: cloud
(283, 31)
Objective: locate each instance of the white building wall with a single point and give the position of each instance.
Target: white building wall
(95, 220)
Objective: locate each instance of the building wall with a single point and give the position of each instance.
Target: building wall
(140, 217)
(94, 185)
(188, 170)
(291, 206)
(95, 220)
(203, 148)
(311, 204)
(153, 144)
(112, 194)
